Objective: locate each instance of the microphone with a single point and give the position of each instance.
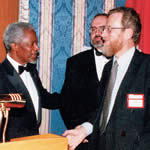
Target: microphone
(8, 101)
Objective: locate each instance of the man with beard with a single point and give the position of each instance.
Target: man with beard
(83, 75)
(123, 121)
(18, 74)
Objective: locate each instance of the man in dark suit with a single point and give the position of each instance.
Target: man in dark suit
(83, 75)
(22, 51)
(126, 124)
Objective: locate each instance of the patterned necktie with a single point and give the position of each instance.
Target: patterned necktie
(104, 116)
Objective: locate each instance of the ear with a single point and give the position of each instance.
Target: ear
(14, 46)
(128, 33)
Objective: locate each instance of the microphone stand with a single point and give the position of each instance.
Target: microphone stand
(5, 114)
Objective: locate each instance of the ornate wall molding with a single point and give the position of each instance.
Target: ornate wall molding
(109, 4)
(24, 10)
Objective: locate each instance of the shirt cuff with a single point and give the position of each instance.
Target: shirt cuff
(88, 127)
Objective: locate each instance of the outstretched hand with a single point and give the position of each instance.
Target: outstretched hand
(75, 136)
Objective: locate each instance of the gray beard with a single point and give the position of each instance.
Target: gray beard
(97, 46)
(33, 62)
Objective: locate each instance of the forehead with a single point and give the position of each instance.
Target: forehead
(99, 21)
(115, 19)
(30, 34)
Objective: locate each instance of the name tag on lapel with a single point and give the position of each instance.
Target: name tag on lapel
(135, 100)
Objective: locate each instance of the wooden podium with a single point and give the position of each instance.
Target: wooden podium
(38, 142)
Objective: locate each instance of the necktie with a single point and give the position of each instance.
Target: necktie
(28, 68)
(103, 119)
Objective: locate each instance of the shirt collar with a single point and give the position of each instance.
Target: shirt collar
(125, 59)
(13, 62)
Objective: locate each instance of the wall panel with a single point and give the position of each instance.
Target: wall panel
(8, 14)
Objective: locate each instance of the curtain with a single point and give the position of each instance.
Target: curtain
(62, 28)
(142, 7)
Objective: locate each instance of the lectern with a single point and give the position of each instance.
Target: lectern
(38, 142)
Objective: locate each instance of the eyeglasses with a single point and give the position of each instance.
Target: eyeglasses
(95, 29)
(109, 28)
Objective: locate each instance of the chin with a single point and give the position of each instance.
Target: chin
(33, 62)
(107, 51)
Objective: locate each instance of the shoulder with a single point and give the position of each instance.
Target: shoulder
(142, 61)
(3, 65)
(144, 57)
(140, 57)
(81, 60)
(82, 56)
(139, 52)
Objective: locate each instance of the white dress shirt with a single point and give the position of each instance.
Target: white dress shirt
(27, 79)
(123, 64)
(100, 62)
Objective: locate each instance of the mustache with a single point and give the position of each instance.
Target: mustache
(98, 36)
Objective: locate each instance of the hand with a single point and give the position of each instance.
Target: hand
(75, 136)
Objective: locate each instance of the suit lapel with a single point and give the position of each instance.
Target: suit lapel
(127, 82)
(125, 85)
(92, 74)
(17, 83)
(129, 77)
(14, 78)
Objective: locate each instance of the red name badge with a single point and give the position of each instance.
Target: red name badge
(135, 100)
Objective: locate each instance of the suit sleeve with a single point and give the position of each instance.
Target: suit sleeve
(73, 94)
(48, 100)
(51, 100)
(67, 111)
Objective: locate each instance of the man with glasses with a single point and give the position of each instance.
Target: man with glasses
(123, 121)
(83, 75)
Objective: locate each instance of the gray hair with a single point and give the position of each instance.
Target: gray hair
(14, 33)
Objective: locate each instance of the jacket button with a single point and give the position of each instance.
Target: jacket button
(123, 133)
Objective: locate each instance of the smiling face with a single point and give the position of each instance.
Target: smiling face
(25, 51)
(113, 35)
(96, 30)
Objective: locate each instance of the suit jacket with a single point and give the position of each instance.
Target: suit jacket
(128, 128)
(23, 121)
(79, 89)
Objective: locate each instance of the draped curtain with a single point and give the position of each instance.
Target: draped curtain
(62, 27)
(142, 7)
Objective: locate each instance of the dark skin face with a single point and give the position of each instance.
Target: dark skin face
(27, 50)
